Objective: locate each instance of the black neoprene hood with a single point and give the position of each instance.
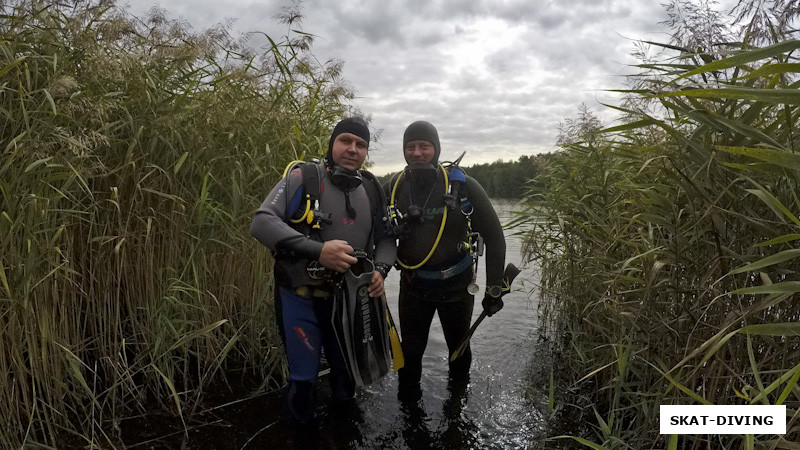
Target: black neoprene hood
(352, 125)
(423, 131)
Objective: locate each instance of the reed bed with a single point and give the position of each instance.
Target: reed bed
(134, 154)
(668, 248)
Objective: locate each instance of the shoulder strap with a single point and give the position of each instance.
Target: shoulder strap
(377, 202)
(305, 200)
(311, 181)
(377, 198)
(457, 195)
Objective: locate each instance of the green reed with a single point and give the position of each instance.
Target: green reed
(668, 251)
(134, 153)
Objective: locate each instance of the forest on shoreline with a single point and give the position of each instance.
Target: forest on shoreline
(503, 179)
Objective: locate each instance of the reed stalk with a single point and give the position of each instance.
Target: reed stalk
(668, 251)
(134, 153)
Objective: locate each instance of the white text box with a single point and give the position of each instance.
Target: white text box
(723, 419)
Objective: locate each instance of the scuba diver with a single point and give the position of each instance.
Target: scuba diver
(324, 224)
(443, 219)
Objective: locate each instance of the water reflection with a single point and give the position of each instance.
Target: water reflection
(496, 408)
(460, 430)
(503, 404)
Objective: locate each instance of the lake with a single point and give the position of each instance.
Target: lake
(504, 406)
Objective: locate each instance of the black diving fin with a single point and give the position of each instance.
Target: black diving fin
(360, 324)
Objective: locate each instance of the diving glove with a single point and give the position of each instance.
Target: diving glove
(492, 304)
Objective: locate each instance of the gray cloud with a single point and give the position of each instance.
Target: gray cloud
(495, 77)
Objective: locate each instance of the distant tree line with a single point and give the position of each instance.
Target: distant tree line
(504, 179)
(508, 179)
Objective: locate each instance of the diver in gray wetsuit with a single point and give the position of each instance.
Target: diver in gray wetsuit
(304, 303)
(436, 267)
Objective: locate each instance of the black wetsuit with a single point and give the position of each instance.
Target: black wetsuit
(421, 297)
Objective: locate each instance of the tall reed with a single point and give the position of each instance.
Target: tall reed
(134, 153)
(668, 250)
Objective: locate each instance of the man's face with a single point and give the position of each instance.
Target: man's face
(349, 151)
(419, 152)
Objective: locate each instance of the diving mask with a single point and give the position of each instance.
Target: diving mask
(345, 179)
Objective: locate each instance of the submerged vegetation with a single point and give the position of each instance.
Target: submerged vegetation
(668, 244)
(133, 154)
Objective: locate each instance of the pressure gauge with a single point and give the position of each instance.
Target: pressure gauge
(494, 291)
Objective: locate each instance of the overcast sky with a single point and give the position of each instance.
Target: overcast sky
(494, 76)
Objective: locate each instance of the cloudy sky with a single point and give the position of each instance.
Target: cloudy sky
(495, 76)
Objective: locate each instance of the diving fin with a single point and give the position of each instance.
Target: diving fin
(340, 321)
(397, 350)
(359, 325)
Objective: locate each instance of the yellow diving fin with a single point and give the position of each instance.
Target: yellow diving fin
(397, 350)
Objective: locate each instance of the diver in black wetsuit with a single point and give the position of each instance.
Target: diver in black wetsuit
(303, 302)
(437, 265)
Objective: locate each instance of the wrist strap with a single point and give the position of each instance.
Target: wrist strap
(383, 269)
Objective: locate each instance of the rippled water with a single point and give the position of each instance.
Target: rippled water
(503, 406)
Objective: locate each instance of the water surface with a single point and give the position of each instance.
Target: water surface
(503, 406)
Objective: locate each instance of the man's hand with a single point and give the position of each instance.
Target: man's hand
(376, 286)
(492, 304)
(336, 255)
